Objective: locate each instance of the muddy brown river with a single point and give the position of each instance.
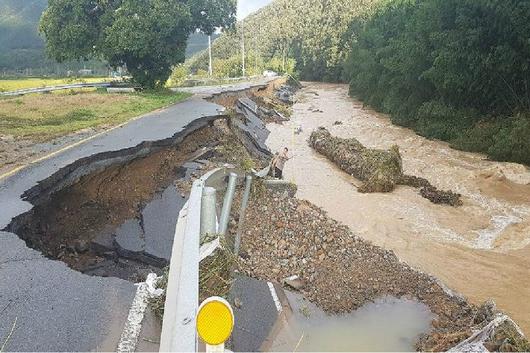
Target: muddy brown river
(481, 250)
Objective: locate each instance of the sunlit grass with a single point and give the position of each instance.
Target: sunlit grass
(33, 82)
(42, 117)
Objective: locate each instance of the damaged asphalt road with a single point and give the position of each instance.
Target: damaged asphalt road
(44, 305)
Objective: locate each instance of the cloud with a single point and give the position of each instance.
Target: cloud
(246, 7)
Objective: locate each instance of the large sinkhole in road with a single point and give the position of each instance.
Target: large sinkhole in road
(118, 220)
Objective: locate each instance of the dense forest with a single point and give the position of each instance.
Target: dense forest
(456, 70)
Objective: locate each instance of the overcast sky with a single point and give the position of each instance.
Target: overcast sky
(246, 7)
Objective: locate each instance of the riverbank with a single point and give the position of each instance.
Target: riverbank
(480, 249)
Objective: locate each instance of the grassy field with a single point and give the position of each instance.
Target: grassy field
(33, 82)
(42, 117)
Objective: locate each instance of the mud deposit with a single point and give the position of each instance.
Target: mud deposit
(118, 218)
(480, 249)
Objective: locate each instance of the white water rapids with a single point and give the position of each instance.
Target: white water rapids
(481, 249)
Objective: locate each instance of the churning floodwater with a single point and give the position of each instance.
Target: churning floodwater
(481, 249)
(386, 325)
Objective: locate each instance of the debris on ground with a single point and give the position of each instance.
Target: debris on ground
(294, 282)
(286, 94)
(73, 223)
(215, 273)
(501, 334)
(441, 197)
(292, 239)
(157, 303)
(380, 170)
(269, 107)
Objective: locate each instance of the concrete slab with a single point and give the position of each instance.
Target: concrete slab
(159, 221)
(49, 307)
(256, 317)
(253, 130)
(130, 237)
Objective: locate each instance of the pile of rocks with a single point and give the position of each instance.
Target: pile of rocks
(431, 193)
(286, 237)
(285, 94)
(380, 171)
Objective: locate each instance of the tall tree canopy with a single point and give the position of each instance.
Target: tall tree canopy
(148, 36)
(457, 70)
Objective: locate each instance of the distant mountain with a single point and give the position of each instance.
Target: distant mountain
(21, 46)
(19, 24)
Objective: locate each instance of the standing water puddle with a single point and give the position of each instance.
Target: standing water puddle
(386, 325)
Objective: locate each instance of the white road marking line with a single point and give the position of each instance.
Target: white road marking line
(133, 325)
(275, 297)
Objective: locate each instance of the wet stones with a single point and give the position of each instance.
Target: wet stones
(295, 243)
(82, 246)
(441, 197)
(285, 94)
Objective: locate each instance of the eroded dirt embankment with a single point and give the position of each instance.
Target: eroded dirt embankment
(109, 221)
(114, 213)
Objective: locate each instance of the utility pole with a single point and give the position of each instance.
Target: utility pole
(243, 45)
(256, 50)
(210, 68)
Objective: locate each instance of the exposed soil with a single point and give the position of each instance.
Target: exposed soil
(15, 151)
(64, 224)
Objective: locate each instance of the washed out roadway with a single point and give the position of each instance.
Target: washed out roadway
(46, 306)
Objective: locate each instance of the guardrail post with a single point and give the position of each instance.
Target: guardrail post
(227, 203)
(242, 214)
(208, 215)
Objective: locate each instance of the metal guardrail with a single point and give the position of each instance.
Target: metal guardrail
(182, 293)
(22, 92)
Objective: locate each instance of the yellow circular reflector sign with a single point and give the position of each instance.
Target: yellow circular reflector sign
(215, 321)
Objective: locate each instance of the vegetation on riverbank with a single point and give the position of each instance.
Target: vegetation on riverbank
(452, 70)
(42, 117)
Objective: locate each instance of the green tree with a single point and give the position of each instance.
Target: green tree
(456, 70)
(310, 32)
(146, 36)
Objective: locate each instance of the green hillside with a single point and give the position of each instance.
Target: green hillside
(313, 33)
(455, 70)
(20, 44)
